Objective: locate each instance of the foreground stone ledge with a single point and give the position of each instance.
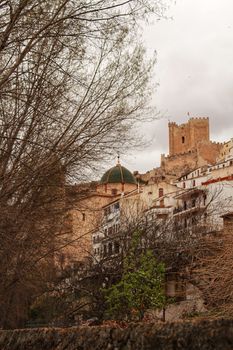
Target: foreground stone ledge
(204, 335)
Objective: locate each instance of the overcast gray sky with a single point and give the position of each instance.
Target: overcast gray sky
(194, 72)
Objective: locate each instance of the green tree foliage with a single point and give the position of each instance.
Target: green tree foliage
(140, 288)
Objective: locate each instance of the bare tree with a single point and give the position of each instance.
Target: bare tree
(73, 83)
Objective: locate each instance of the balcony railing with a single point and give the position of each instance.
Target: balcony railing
(188, 209)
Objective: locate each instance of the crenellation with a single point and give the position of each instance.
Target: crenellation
(218, 143)
(199, 118)
(174, 156)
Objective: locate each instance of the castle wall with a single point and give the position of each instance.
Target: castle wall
(179, 164)
(205, 153)
(208, 152)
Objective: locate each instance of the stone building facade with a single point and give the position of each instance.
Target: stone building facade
(85, 210)
(226, 151)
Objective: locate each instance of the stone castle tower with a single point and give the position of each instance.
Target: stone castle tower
(186, 137)
(189, 147)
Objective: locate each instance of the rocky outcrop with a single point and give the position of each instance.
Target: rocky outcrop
(204, 335)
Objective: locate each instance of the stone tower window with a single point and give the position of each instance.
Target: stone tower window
(183, 139)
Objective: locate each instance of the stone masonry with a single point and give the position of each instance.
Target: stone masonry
(199, 335)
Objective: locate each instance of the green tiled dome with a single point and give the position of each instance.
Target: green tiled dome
(118, 174)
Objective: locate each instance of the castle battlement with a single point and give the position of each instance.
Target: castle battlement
(217, 143)
(180, 155)
(199, 118)
(192, 119)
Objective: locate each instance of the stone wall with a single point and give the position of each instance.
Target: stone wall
(85, 216)
(208, 335)
(179, 164)
(205, 153)
(208, 152)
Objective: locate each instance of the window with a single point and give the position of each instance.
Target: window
(184, 185)
(84, 216)
(96, 239)
(204, 199)
(116, 247)
(160, 192)
(185, 205)
(105, 250)
(194, 183)
(110, 248)
(183, 139)
(117, 205)
(114, 191)
(193, 203)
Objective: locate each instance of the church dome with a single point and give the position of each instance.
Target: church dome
(118, 174)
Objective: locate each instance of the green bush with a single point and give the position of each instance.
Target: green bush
(140, 288)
